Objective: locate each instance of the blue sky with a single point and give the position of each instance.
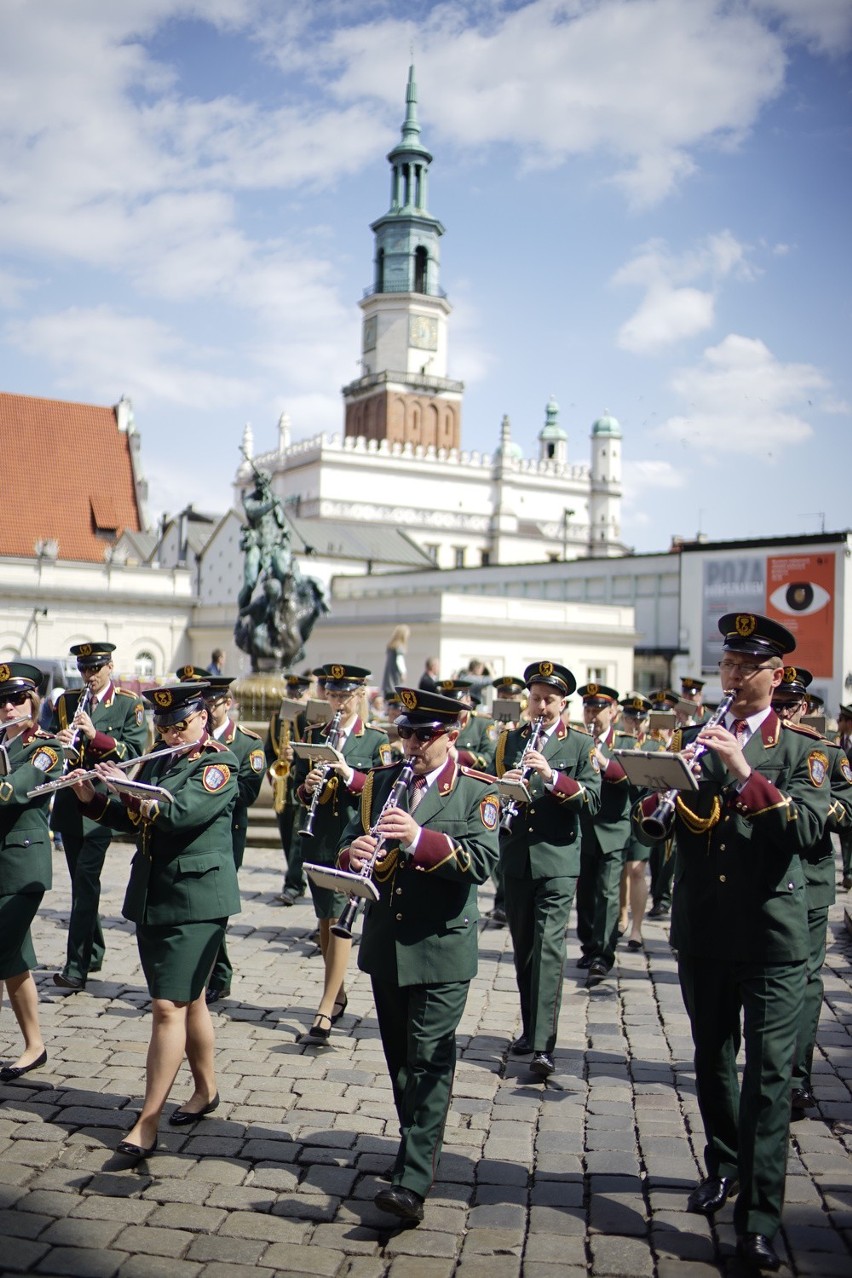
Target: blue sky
(646, 203)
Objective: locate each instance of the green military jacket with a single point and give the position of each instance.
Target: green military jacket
(544, 841)
(247, 747)
(819, 859)
(608, 830)
(364, 749)
(26, 864)
(183, 870)
(121, 733)
(422, 930)
(739, 881)
(477, 742)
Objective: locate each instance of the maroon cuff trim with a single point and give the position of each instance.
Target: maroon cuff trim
(614, 771)
(95, 808)
(432, 849)
(356, 785)
(343, 860)
(566, 787)
(649, 805)
(757, 794)
(102, 744)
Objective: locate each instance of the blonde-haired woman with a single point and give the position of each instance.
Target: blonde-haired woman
(395, 670)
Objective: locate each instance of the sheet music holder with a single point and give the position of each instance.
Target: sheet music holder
(290, 709)
(506, 709)
(664, 720)
(326, 876)
(516, 790)
(317, 752)
(141, 789)
(316, 710)
(656, 770)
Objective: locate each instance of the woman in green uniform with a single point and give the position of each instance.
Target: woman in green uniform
(28, 756)
(183, 887)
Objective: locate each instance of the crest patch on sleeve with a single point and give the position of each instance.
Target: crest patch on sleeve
(257, 761)
(385, 752)
(817, 766)
(489, 811)
(595, 761)
(846, 771)
(214, 776)
(44, 758)
(139, 714)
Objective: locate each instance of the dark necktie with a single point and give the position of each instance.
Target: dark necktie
(416, 793)
(739, 728)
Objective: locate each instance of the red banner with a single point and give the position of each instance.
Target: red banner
(800, 594)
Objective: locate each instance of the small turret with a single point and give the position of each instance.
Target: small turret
(552, 439)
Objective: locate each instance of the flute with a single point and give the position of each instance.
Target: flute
(61, 783)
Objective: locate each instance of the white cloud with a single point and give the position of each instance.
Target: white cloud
(825, 25)
(742, 403)
(110, 353)
(672, 308)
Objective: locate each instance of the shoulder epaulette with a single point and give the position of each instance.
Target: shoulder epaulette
(124, 692)
(212, 744)
(383, 767)
(805, 729)
(247, 732)
(477, 775)
(578, 727)
(45, 736)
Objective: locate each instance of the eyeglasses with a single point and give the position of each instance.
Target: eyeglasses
(180, 726)
(745, 668)
(423, 734)
(90, 670)
(14, 698)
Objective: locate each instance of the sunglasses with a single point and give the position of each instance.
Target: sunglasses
(14, 698)
(180, 726)
(423, 734)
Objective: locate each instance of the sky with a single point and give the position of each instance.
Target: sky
(647, 212)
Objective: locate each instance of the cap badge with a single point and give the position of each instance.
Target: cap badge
(591, 689)
(84, 650)
(745, 625)
(187, 672)
(447, 684)
(408, 699)
(4, 673)
(636, 703)
(163, 699)
(337, 672)
(790, 673)
(545, 668)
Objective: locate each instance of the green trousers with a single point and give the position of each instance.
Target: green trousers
(812, 1001)
(537, 911)
(746, 1126)
(597, 901)
(418, 1027)
(85, 946)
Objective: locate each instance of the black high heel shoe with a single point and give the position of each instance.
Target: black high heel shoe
(138, 1152)
(318, 1033)
(340, 1006)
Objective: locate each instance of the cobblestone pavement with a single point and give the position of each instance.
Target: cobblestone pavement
(586, 1175)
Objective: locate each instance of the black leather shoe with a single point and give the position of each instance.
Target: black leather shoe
(584, 961)
(498, 915)
(756, 1250)
(318, 1033)
(401, 1202)
(67, 982)
(134, 1151)
(520, 1047)
(9, 1073)
(214, 995)
(542, 1064)
(658, 912)
(598, 969)
(182, 1117)
(711, 1194)
(803, 1098)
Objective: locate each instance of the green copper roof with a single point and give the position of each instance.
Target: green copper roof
(606, 425)
(551, 428)
(410, 143)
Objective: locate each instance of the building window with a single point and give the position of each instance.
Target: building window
(459, 556)
(143, 666)
(421, 263)
(484, 558)
(380, 271)
(432, 552)
(595, 674)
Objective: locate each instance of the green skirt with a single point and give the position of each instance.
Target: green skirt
(178, 958)
(327, 904)
(17, 911)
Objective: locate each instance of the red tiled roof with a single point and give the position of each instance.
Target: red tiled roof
(68, 473)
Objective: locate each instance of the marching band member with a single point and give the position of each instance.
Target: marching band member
(281, 772)
(635, 710)
(740, 925)
(183, 887)
(540, 851)
(420, 940)
(28, 756)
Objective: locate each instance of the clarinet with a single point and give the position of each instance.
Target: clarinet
(510, 806)
(83, 704)
(307, 830)
(658, 824)
(344, 925)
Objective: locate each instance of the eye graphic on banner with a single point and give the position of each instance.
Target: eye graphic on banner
(799, 598)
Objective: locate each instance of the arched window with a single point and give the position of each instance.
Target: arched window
(143, 665)
(421, 268)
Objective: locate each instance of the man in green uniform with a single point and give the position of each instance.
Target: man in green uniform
(247, 748)
(278, 750)
(540, 849)
(740, 925)
(604, 837)
(844, 740)
(98, 724)
(790, 702)
(420, 938)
